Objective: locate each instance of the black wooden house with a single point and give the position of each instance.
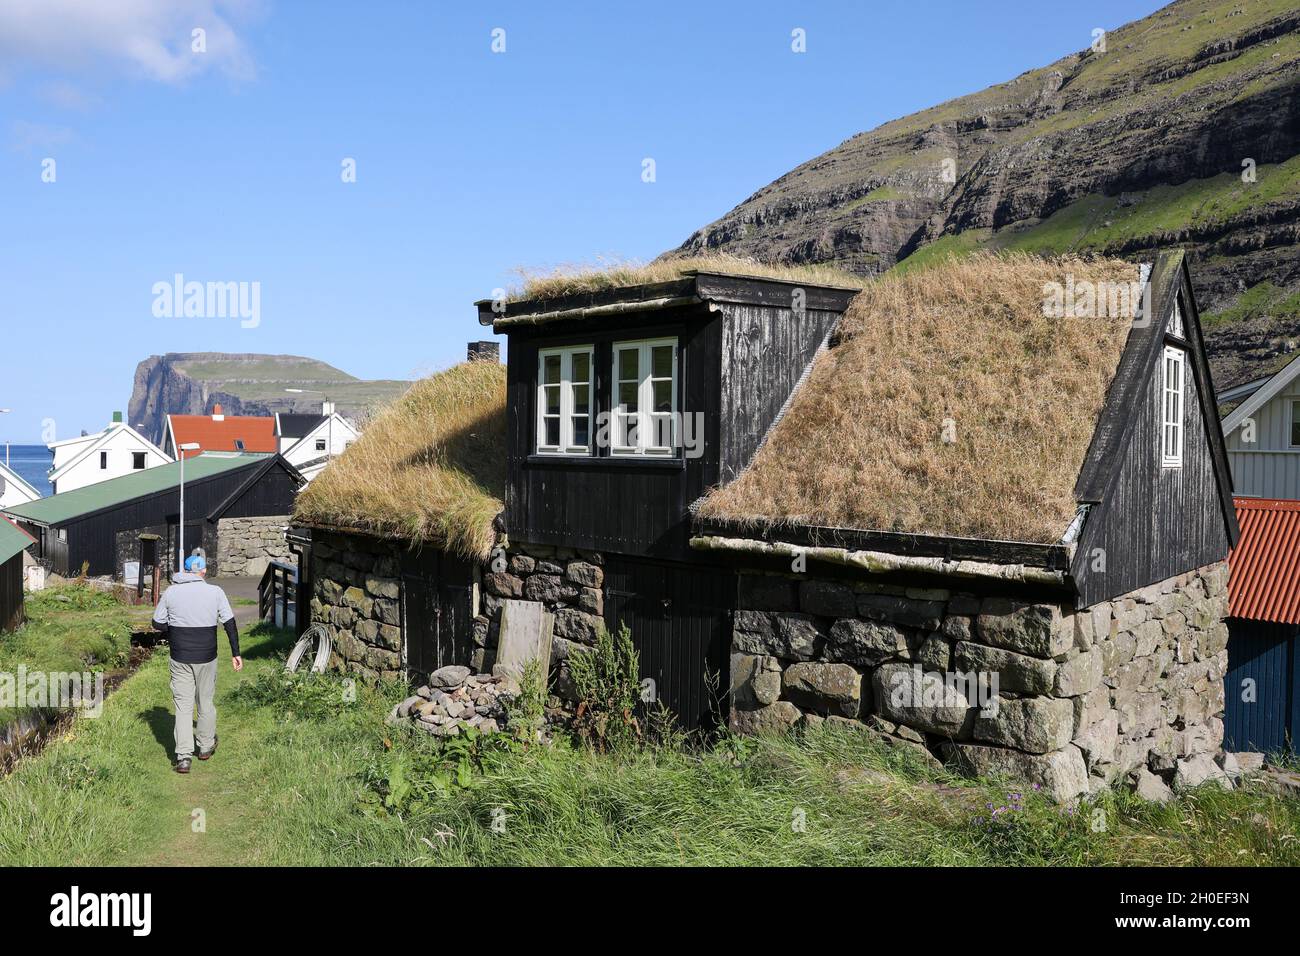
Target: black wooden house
(98, 526)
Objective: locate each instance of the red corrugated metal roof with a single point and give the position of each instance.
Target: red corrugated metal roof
(257, 433)
(1264, 584)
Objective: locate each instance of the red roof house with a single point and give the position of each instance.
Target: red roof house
(221, 432)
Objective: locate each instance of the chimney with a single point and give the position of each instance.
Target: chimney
(217, 414)
(117, 418)
(484, 352)
(327, 408)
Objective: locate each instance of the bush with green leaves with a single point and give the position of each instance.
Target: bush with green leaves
(607, 681)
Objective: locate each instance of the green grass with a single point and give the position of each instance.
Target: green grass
(879, 194)
(69, 629)
(303, 776)
(1261, 301)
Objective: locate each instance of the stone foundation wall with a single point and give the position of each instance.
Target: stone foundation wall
(356, 595)
(245, 546)
(1127, 689)
(569, 583)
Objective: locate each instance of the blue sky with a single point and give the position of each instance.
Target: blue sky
(225, 165)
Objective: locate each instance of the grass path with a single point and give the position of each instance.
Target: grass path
(106, 792)
(304, 776)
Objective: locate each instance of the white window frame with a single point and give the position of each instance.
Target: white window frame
(566, 414)
(144, 461)
(1172, 406)
(1291, 423)
(645, 401)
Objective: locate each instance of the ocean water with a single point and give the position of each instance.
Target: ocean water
(32, 462)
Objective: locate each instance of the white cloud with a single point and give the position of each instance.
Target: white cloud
(151, 38)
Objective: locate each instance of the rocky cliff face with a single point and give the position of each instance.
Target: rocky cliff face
(1184, 130)
(191, 383)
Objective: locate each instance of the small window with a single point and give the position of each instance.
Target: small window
(1172, 398)
(103, 460)
(1295, 423)
(644, 397)
(320, 444)
(564, 387)
(239, 444)
(63, 534)
(1176, 320)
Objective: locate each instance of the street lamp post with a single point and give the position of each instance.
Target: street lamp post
(180, 530)
(329, 424)
(6, 411)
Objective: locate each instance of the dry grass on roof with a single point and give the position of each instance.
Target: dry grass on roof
(429, 468)
(614, 274)
(862, 444)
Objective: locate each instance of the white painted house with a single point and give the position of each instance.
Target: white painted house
(14, 489)
(88, 459)
(309, 442)
(1263, 435)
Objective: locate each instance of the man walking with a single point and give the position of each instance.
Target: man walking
(189, 613)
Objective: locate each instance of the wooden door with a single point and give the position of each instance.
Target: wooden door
(680, 620)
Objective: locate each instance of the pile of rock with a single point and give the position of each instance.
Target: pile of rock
(455, 699)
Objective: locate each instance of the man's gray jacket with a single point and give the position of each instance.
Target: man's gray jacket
(189, 613)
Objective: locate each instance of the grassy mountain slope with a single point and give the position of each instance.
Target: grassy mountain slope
(1120, 151)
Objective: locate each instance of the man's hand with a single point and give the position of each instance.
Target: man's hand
(237, 663)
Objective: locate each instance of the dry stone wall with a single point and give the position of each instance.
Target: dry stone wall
(569, 583)
(245, 546)
(356, 596)
(1071, 701)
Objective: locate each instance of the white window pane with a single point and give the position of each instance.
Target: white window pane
(551, 369)
(661, 362)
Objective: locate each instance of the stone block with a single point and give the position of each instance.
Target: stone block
(1034, 629)
(855, 641)
(827, 599)
(1033, 724)
(825, 688)
(1062, 773)
(1018, 673)
(906, 694)
(773, 719)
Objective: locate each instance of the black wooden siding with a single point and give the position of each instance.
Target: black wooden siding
(437, 611)
(1155, 522)
(738, 366)
(680, 621)
(764, 353)
(628, 506)
(1265, 654)
(93, 538)
(11, 592)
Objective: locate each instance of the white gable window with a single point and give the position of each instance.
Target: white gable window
(644, 399)
(564, 386)
(1171, 431)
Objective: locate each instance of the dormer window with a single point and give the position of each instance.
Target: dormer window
(644, 398)
(564, 389)
(1171, 432)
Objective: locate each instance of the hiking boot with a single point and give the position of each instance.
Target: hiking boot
(182, 765)
(207, 754)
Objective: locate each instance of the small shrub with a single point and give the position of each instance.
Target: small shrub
(526, 714)
(607, 681)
